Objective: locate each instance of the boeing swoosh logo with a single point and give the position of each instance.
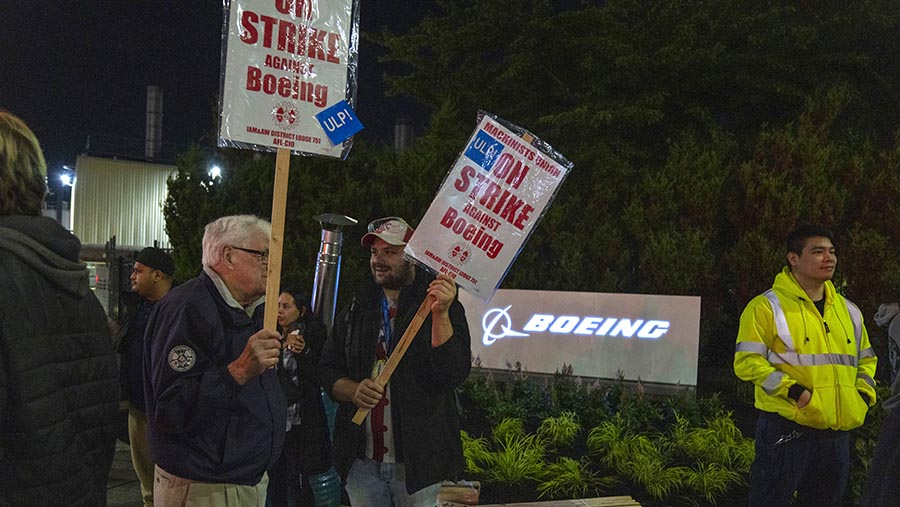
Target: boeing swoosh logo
(498, 317)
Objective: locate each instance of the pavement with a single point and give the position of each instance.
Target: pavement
(123, 488)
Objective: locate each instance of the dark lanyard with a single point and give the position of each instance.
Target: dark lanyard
(386, 324)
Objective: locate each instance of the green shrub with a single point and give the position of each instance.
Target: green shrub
(639, 411)
(680, 449)
(475, 452)
(509, 427)
(569, 478)
(560, 431)
(711, 480)
(517, 459)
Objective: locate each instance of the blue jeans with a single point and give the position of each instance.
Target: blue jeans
(374, 484)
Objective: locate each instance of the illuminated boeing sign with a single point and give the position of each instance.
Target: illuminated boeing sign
(496, 325)
(648, 337)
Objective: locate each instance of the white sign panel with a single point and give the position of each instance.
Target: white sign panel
(647, 337)
(286, 61)
(488, 205)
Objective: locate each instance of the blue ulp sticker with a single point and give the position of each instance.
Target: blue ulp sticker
(484, 150)
(339, 122)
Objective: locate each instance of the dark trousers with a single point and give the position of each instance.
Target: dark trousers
(883, 484)
(285, 486)
(790, 457)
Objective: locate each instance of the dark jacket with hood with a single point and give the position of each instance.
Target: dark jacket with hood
(425, 418)
(58, 376)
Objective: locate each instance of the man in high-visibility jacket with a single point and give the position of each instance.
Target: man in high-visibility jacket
(805, 348)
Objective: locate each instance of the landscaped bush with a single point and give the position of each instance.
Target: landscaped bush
(559, 438)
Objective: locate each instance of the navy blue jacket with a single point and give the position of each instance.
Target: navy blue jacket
(204, 426)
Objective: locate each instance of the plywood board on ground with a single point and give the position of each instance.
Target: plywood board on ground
(609, 501)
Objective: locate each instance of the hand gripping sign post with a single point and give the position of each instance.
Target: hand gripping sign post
(288, 84)
(489, 204)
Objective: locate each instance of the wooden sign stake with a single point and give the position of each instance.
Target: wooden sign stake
(276, 243)
(399, 350)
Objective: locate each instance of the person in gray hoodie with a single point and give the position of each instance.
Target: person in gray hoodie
(883, 482)
(59, 387)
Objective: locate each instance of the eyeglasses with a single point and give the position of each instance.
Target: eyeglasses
(261, 256)
(377, 224)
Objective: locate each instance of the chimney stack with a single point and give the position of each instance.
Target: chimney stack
(153, 136)
(403, 134)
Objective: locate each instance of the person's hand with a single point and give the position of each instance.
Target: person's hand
(443, 289)
(295, 342)
(262, 351)
(804, 398)
(368, 394)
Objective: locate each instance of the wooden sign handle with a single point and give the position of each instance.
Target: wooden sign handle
(399, 350)
(276, 242)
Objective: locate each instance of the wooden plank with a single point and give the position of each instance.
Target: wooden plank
(609, 501)
(276, 242)
(392, 362)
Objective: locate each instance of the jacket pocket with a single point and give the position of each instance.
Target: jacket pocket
(819, 412)
(853, 408)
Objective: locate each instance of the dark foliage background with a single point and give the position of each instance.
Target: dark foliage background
(701, 132)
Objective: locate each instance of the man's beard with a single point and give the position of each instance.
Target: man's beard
(395, 281)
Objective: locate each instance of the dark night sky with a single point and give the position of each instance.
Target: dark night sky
(76, 68)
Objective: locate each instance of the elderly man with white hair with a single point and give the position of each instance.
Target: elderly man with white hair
(215, 407)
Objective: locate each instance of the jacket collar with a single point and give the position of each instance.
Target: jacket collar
(226, 294)
(786, 283)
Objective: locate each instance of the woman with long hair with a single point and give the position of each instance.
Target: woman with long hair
(307, 446)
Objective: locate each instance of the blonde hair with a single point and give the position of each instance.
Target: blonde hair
(23, 171)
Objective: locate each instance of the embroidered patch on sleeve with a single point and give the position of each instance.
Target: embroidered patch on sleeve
(182, 358)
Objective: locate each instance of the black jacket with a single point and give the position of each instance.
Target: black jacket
(314, 440)
(426, 421)
(203, 425)
(59, 391)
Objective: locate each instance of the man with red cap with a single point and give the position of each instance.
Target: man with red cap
(409, 442)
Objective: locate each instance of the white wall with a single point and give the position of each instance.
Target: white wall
(121, 198)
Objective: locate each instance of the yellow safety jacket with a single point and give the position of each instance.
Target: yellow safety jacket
(783, 340)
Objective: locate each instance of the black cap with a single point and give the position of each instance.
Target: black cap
(155, 258)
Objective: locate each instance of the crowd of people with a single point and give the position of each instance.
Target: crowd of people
(222, 411)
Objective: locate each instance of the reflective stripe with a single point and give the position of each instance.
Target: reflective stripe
(754, 347)
(770, 385)
(795, 359)
(781, 325)
(856, 318)
(790, 357)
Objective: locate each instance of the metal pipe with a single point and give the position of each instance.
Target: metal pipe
(328, 267)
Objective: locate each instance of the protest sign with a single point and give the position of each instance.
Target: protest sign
(286, 61)
(488, 205)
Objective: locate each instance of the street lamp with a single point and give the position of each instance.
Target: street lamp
(66, 180)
